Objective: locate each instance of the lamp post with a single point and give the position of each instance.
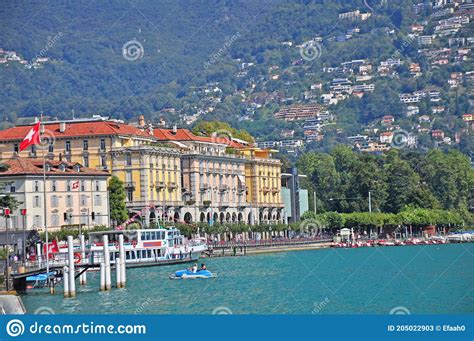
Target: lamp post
(271, 238)
(23, 214)
(370, 202)
(6, 214)
(315, 203)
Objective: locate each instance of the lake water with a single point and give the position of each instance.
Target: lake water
(429, 279)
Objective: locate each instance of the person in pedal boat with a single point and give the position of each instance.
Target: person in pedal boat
(195, 268)
(203, 266)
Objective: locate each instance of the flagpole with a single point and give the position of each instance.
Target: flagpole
(45, 211)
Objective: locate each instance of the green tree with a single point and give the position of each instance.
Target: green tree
(450, 177)
(118, 210)
(222, 128)
(404, 185)
(6, 200)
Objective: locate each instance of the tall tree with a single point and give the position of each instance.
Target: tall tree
(117, 208)
(450, 177)
(404, 186)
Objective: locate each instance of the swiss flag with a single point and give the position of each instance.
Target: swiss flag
(75, 185)
(33, 137)
(52, 248)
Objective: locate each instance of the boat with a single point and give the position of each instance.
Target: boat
(147, 247)
(39, 280)
(188, 274)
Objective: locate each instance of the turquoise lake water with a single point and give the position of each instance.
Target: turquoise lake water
(429, 279)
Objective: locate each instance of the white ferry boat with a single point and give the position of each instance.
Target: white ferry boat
(149, 247)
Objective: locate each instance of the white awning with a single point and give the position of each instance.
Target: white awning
(179, 144)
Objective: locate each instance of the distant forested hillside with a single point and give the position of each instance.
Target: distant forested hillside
(87, 72)
(84, 39)
(237, 61)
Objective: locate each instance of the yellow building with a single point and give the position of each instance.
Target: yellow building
(155, 165)
(263, 181)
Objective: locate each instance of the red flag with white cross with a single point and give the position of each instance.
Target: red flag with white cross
(33, 137)
(75, 185)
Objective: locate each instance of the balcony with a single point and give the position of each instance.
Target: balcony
(266, 189)
(160, 185)
(275, 190)
(223, 188)
(172, 185)
(206, 203)
(204, 187)
(130, 185)
(242, 189)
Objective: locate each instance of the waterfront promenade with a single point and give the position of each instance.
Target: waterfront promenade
(242, 248)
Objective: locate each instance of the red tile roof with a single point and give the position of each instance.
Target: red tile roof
(77, 129)
(104, 128)
(24, 166)
(186, 135)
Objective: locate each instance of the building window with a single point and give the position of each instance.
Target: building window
(128, 159)
(54, 219)
(37, 221)
(33, 149)
(68, 146)
(54, 201)
(36, 201)
(83, 186)
(85, 161)
(130, 194)
(85, 145)
(98, 219)
(14, 222)
(69, 201)
(84, 218)
(16, 148)
(68, 185)
(128, 177)
(98, 200)
(54, 186)
(12, 187)
(97, 185)
(103, 161)
(37, 186)
(83, 200)
(51, 147)
(102, 145)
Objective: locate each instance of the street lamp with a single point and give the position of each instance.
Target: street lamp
(6, 214)
(23, 214)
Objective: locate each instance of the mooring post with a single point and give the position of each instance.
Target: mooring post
(83, 276)
(66, 281)
(72, 280)
(118, 270)
(52, 289)
(122, 263)
(102, 276)
(108, 279)
(39, 255)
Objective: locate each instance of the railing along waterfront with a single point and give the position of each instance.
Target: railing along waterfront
(268, 242)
